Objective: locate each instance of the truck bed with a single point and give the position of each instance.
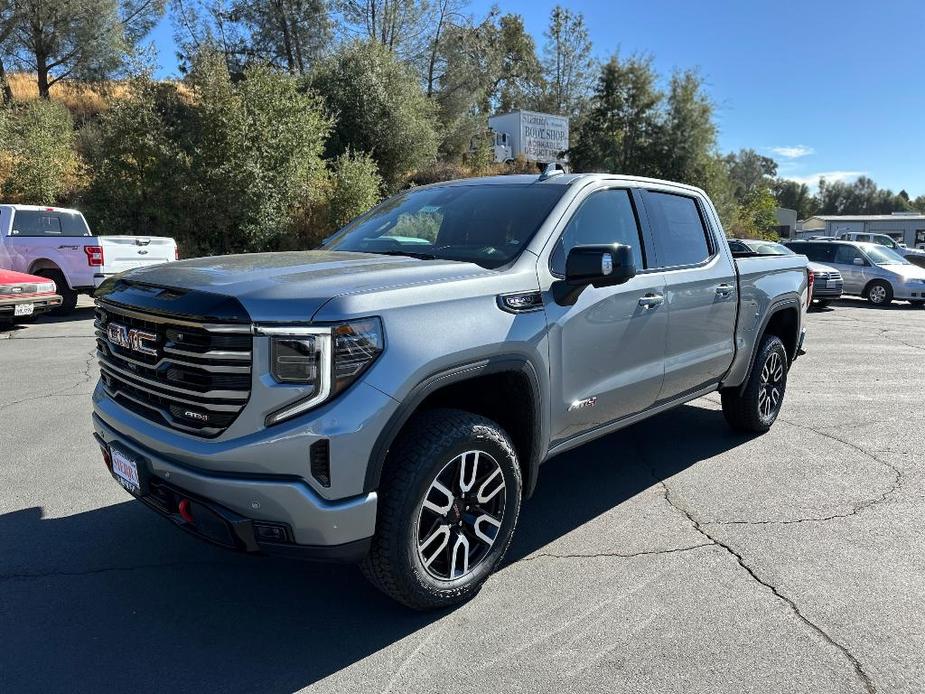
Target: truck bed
(765, 282)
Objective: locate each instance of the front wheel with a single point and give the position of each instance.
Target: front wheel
(879, 293)
(756, 406)
(448, 504)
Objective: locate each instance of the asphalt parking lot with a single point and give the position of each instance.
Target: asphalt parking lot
(674, 556)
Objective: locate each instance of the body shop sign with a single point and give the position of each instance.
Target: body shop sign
(545, 137)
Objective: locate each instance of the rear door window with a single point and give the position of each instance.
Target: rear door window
(680, 234)
(48, 223)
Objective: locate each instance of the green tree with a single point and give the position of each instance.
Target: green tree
(862, 196)
(379, 108)
(223, 166)
(141, 182)
(77, 39)
(397, 25)
(290, 35)
(621, 130)
(355, 187)
(687, 134)
(257, 150)
(794, 196)
(567, 64)
(9, 20)
(38, 163)
(750, 172)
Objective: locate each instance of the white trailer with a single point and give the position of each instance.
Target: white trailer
(539, 137)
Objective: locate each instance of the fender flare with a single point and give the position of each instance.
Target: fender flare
(518, 363)
(773, 309)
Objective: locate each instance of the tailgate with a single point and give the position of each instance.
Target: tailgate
(122, 253)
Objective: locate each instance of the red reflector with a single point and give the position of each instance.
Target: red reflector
(184, 508)
(176, 252)
(94, 255)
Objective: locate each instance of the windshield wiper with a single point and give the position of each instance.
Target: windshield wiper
(410, 254)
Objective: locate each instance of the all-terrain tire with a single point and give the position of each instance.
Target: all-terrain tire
(745, 409)
(423, 452)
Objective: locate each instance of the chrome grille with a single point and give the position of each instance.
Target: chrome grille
(189, 376)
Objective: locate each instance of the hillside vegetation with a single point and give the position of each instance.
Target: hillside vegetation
(292, 118)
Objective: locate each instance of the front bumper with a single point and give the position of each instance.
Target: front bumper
(40, 303)
(315, 527)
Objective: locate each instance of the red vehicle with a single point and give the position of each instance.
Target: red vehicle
(23, 296)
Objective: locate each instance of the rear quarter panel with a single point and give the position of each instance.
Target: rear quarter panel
(766, 284)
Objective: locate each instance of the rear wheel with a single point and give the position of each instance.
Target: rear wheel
(756, 406)
(448, 503)
(879, 293)
(68, 295)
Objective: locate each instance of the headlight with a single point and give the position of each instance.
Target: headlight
(326, 360)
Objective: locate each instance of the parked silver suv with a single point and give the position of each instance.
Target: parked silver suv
(868, 269)
(390, 398)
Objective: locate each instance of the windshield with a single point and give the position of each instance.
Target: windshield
(880, 255)
(486, 224)
(768, 248)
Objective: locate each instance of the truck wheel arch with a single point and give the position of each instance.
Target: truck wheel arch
(526, 426)
(46, 264)
(782, 319)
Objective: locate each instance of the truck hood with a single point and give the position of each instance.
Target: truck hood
(292, 286)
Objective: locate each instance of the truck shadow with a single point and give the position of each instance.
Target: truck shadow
(79, 314)
(116, 599)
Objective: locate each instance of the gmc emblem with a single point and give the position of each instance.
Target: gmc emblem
(131, 339)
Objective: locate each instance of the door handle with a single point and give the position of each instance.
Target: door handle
(651, 300)
(724, 289)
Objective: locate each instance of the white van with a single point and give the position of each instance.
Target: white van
(57, 243)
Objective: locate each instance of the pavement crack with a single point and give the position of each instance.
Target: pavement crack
(86, 376)
(629, 555)
(791, 604)
(111, 569)
(883, 333)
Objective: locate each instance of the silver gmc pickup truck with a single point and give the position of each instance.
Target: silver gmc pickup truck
(389, 399)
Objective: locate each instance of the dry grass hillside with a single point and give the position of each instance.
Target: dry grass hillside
(82, 100)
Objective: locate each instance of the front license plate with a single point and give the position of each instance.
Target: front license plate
(125, 470)
(23, 309)
(831, 284)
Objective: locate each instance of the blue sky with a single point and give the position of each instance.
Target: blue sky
(823, 86)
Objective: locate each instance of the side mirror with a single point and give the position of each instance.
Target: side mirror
(859, 261)
(598, 266)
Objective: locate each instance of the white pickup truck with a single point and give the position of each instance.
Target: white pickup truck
(57, 243)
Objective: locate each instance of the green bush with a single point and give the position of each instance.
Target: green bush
(223, 166)
(38, 164)
(378, 107)
(355, 186)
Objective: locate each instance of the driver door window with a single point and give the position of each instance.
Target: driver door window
(604, 218)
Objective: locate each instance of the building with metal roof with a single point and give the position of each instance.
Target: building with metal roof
(904, 227)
